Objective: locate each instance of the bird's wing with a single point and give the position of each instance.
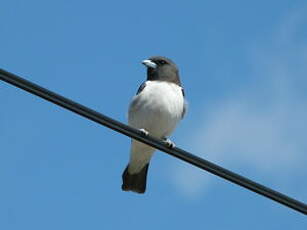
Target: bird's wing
(141, 88)
(184, 104)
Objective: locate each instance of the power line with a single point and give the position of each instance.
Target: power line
(154, 142)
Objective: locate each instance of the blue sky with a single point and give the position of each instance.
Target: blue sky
(243, 66)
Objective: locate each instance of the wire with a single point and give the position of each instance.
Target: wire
(154, 142)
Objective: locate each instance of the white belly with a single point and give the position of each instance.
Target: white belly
(157, 109)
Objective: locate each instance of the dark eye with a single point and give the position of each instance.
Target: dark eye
(162, 62)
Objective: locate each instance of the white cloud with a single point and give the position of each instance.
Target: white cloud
(264, 126)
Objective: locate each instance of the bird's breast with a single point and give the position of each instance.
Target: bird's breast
(158, 108)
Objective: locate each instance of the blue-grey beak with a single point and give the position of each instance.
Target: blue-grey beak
(149, 63)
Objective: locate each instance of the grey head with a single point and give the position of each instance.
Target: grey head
(162, 69)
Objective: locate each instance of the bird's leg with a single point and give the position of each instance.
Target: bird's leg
(144, 132)
(168, 142)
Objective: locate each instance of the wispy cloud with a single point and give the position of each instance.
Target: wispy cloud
(264, 126)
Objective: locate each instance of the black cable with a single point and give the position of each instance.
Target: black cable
(156, 143)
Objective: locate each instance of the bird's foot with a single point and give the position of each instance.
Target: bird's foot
(168, 142)
(144, 132)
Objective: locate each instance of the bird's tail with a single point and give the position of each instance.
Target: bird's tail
(135, 182)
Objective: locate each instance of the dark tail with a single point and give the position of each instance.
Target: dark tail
(135, 182)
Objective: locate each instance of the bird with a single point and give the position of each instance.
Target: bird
(155, 110)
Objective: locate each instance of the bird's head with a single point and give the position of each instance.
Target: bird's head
(161, 69)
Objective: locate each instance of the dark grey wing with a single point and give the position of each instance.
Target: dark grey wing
(184, 105)
(182, 90)
(141, 88)
(135, 103)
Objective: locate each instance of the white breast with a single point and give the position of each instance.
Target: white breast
(157, 109)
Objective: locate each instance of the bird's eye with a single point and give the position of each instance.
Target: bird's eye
(162, 62)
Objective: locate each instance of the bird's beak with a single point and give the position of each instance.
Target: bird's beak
(149, 63)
